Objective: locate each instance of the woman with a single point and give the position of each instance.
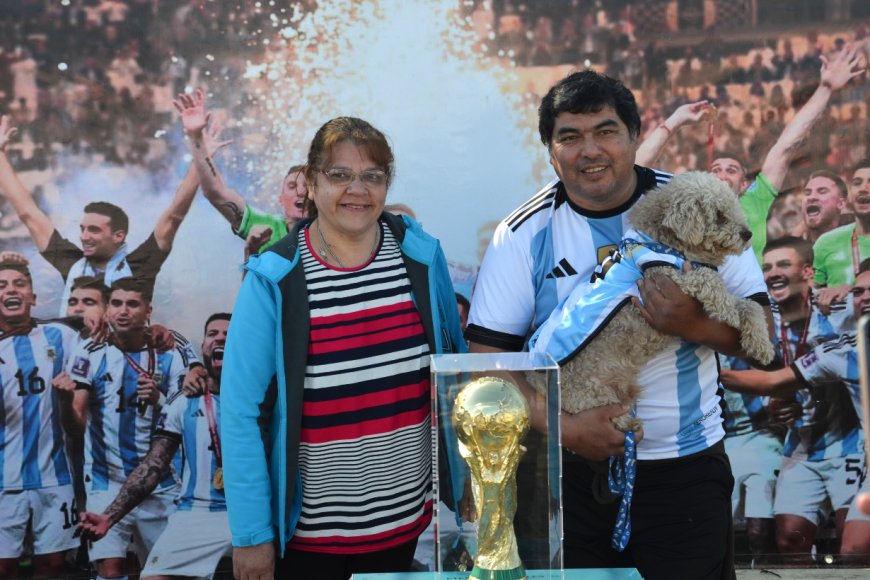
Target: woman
(329, 353)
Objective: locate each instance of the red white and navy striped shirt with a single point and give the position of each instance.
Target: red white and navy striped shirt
(365, 450)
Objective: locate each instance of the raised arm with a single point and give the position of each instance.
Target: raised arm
(194, 119)
(834, 76)
(138, 486)
(170, 220)
(689, 114)
(34, 219)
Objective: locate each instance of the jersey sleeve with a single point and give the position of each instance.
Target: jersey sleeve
(80, 365)
(254, 217)
(826, 363)
(755, 203)
(743, 277)
(171, 420)
(503, 301)
(61, 253)
(147, 259)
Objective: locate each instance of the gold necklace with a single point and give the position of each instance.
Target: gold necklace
(326, 248)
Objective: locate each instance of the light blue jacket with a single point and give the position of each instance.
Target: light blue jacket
(264, 370)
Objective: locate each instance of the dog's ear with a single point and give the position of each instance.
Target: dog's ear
(685, 220)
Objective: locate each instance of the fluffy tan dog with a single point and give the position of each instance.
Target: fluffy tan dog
(697, 217)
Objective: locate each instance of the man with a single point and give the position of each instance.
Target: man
(115, 391)
(197, 534)
(88, 300)
(36, 490)
(822, 440)
(839, 252)
(825, 196)
(680, 512)
(104, 226)
(828, 366)
(244, 219)
(757, 198)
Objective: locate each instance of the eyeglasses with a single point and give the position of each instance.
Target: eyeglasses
(344, 176)
(858, 291)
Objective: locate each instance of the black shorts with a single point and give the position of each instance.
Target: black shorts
(680, 519)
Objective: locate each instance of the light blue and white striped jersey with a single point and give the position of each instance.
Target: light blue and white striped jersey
(33, 451)
(119, 427)
(828, 367)
(185, 420)
(744, 414)
(809, 436)
(547, 247)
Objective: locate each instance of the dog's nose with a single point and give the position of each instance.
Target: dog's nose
(746, 235)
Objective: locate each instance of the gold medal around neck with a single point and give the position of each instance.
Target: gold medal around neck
(218, 479)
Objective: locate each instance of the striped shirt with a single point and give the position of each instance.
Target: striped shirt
(32, 444)
(365, 449)
(548, 247)
(829, 369)
(810, 436)
(185, 420)
(119, 426)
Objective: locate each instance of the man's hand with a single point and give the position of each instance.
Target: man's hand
(254, 562)
(690, 114)
(161, 338)
(195, 382)
(146, 390)
(827, 296)
(194, 119)
(592, 435)
(667, 308)
(64, 385)
(7, 131)
(212, 137)
(783, 411)
(93, 527)
(845, 66)
(256, 239)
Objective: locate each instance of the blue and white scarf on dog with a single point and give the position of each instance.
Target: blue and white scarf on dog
(583, 314)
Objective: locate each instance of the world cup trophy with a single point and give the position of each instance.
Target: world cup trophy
(491, 417)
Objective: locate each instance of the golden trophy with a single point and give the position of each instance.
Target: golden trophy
(491, 418)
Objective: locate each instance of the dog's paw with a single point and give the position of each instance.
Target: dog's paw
(754, 335)
(627, 423)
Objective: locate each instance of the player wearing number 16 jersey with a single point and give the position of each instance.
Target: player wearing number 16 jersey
(120, 389)
(35, 476)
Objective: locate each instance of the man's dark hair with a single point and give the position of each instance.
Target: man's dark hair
(863, 164)
(118, 219)
(18, 267)
(587, 92)
(802, 246)
(838, 181)
(140, 285)
(864, 266)
(730, 154)
(213, 317)
(92, 283)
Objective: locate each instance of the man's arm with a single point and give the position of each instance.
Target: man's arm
(194, 119)
(834, 75)
(782, 383)
(590, 434)
(33, 218)
(73, 404)
(170, 220)
(651, 148)
(136, 488)
(667, 309)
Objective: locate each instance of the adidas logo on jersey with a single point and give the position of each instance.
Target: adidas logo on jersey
(563, 270)
(198, 413)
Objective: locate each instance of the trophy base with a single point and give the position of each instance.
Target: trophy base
(518, 573)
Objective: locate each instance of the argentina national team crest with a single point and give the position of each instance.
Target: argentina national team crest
(80, 366)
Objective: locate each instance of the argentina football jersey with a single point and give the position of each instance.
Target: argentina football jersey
(32, 444)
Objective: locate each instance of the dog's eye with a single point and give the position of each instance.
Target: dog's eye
(721, 219)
